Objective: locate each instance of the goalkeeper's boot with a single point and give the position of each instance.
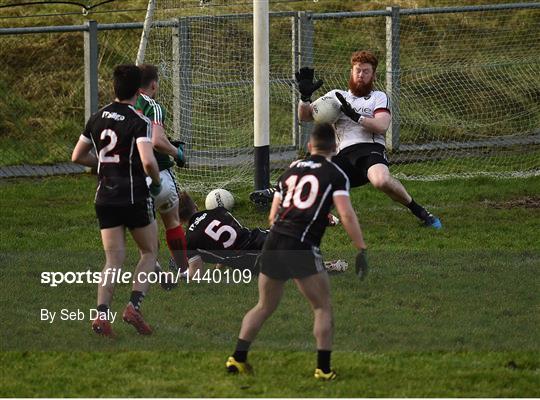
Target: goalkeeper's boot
(262, 197)
(336, 266)
(102, 327)
(166, 281)
(237, 367)
(432, 221)
(135, 318)
(322, 376)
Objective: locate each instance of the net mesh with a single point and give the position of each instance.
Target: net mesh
(206, 64)
(469, 102)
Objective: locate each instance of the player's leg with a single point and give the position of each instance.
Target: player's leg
(143, 229)
(380, 177)
(167, 206)
(175, 236)
(316, 289)
(270, 294)
(113, 239)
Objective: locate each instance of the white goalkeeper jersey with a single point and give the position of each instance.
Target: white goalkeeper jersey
(349, 132)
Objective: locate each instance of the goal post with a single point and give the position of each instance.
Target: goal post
(261, 94)
(146, 31)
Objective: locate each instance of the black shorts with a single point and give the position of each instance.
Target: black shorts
(285, 257)
(355, 161)
(132, 216)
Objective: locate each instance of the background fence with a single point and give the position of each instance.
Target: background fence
(464, 83)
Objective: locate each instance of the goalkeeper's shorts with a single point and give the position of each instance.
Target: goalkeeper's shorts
(355, 160)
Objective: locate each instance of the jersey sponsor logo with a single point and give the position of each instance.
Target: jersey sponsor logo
(308, 164)
(113, 115)
(197, 221)
(363, 110)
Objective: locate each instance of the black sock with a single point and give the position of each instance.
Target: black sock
(418, 210)
(323, 360)
(136, 299)
(103, 308)
(242, 348)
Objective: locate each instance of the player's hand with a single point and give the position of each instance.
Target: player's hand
(361, 265)
(180, 156)
(155, 189)
(347, 108)
(306, 85)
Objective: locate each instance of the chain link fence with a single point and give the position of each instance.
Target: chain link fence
(467, 99)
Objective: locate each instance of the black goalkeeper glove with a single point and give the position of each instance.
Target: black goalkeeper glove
(180, 155)
(347, 108)
(361, 265)
(306, 85)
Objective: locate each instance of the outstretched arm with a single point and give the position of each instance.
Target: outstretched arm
(349, 220)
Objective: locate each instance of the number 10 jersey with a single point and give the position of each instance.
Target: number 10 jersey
(306, 191)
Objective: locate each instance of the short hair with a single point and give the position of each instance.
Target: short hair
(149, 73)
(364, 56)
(186, 208)
(323, 137)
(127, 80)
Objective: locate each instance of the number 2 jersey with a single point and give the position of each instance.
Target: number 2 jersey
(306, 191)
(115, 131)
(217, 237)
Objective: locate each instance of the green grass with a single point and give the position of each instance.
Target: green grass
(449, 313)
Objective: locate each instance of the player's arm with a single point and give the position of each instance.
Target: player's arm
(307, 85)
(148, 160)
(305, 112)
(274, 208)
(377, 124)
(82, 153)
(349, 220)
(351, 225)
(161, 143)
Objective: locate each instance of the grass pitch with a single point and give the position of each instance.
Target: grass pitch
(449, 313)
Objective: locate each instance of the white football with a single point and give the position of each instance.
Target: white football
(326, 109)
(219, 198)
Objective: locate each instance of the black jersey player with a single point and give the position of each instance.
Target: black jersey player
(298, 217)
(121, 139)
(216, 236)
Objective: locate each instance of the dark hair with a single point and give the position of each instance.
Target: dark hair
(186, 208)
(149, 73)
(127, 80)
(364, 56)
(323, 137)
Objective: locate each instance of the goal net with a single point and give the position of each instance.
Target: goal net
(469, 82)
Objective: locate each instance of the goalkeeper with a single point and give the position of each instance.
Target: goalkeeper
(360, 132)
(166, 202)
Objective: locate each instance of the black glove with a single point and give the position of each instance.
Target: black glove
(306, 85)
(180, 156)
(347, 109)
(361, 265)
